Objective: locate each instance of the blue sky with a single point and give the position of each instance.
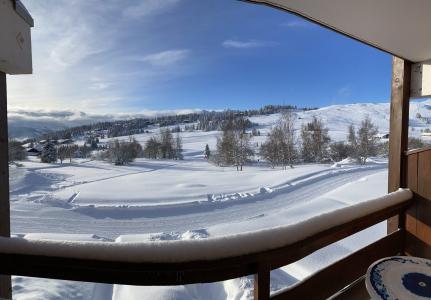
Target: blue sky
(137, 55)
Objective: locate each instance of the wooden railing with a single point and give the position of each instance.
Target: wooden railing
(322, 284)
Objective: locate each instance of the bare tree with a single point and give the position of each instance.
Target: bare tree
(270, 150)
(288, 143)
(166, 143)
(152, 148)
(178, 148)
(121, 153)
(242, 149)
(71, 150)
(415, 143)
(62, 153)
(339, 151)
(280, 147)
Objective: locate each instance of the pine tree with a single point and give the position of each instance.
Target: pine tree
(315, 141)
(49, 153)
(16, 151)
(270, 149)
(226, 147)
(207, 152)
(351, 139)
(363, 143)
(280, 146)
(233, 147)
(367, 140)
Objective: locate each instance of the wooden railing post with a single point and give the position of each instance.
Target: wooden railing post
(399, 127)
(262, 283)
(5, 281)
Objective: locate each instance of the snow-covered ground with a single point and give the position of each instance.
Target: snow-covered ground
(360, 189)
(152, 200)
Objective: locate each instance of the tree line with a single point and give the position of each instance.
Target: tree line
(284, 146)
(204, 120)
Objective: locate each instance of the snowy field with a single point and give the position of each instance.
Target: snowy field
(368, 184)
(151, 200)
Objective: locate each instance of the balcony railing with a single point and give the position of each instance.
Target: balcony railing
(216, 259)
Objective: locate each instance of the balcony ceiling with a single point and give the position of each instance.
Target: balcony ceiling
(400, 27)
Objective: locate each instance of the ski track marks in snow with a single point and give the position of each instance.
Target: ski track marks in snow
(115, 221)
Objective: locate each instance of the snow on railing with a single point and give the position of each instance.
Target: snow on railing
(202, 249)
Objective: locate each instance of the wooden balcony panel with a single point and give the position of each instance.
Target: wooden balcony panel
(335, 277)
(418, 222)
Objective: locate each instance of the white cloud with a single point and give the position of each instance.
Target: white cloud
(247, 44)
(78, 51)
(297, 24)
(57, 119)
(99, 86)
(148, 7)
(344, 91)
(165, 58)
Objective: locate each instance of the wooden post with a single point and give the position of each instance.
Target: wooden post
(399, 129)
(262, 283)
(5, 281)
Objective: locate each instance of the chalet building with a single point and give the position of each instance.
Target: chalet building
(33, 152)
(401, 28)
(64, 142)
(382, 136)
(56, 142)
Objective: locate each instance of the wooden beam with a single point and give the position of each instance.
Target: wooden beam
(5, 281)
(262, 282)
(421, 80)
(399, 126)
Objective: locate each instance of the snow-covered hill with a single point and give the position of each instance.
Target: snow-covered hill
(337, 117)
(151, 200)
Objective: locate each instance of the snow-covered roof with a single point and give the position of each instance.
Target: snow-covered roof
(202, 249)
(400, 27)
